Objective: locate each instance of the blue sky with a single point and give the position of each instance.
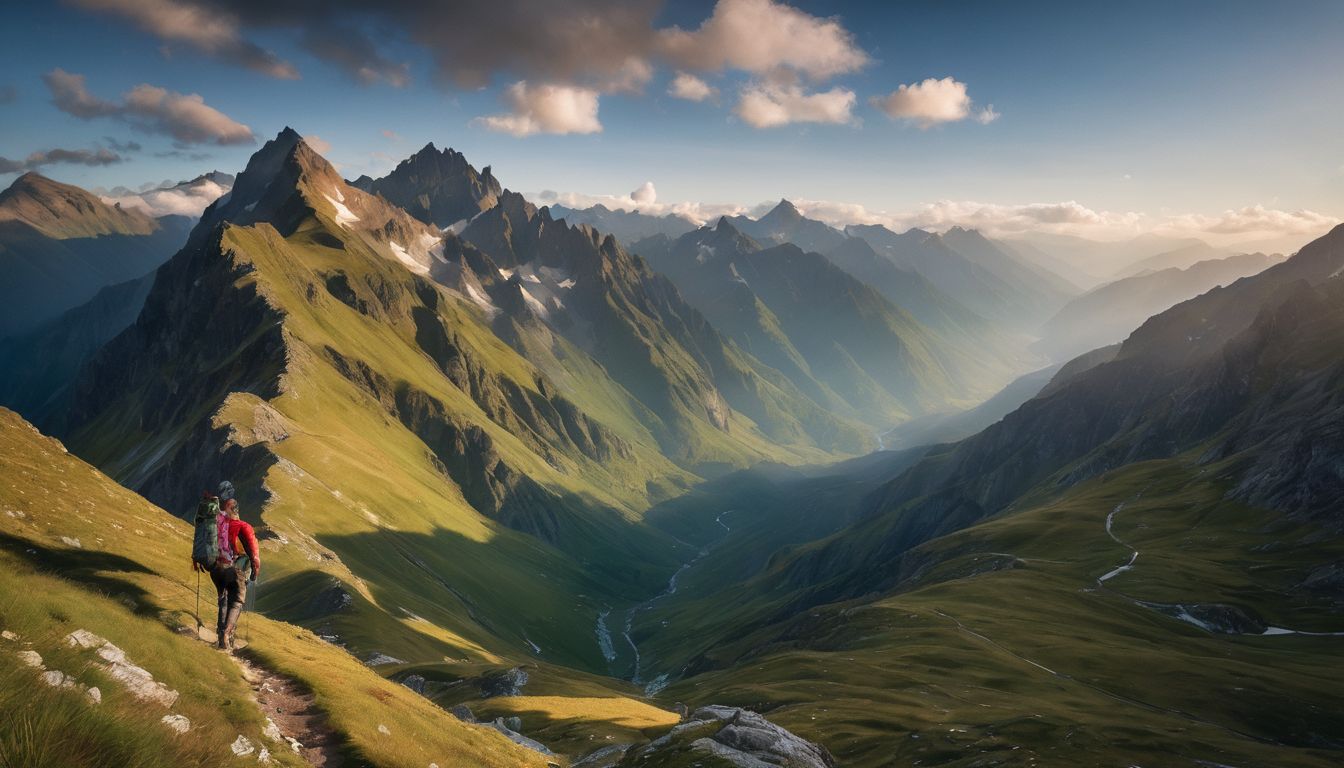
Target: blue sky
(1156, 109)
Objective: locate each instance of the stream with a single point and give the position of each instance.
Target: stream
(1181, 611)
(603, 631)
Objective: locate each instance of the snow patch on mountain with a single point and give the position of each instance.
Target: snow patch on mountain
(405, 257)
(480, 299)
(535, 303)
(344, 216)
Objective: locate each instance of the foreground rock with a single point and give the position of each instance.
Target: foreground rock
(734, 736)
(137, 679)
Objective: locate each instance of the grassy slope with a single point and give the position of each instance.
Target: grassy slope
(364, 487)
(975, 663)
(129, 582)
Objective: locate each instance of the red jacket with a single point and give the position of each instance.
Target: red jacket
(241, 540)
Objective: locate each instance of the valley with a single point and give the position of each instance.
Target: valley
(547, 485)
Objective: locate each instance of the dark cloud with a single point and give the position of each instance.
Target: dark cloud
(59, 156)
(182, 154)
(353, 52)
(185, 117)
(576, 41)
(72, 97)
(100, 156)
(210, 27)
(122, 146)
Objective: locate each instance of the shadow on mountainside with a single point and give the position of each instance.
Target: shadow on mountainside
(89, 568)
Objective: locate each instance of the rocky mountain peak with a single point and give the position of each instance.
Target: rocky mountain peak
(783, 214)
(438, 187)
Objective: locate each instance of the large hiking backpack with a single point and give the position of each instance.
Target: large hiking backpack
(205, 542)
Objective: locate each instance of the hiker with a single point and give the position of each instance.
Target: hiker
(225, 547)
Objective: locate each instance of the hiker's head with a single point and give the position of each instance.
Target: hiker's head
(230, 508)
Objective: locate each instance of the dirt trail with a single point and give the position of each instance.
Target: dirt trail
(295, 714)
(298, 722)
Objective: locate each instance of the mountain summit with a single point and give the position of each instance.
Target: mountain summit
(784, 214)
(437, 187)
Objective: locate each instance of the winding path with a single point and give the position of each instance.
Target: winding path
(1181, 611)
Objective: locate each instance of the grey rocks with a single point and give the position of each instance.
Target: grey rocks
(415, 683)
(736, 736)
(508, 682)
(502, 725)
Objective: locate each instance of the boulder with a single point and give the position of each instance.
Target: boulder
(462, 712)
(242, 746)
(737, 737)
(415, 683)
(57, 679)
(518, 738)
(508, 682)
(602, 757)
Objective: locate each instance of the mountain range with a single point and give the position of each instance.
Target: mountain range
(529, 493)
(1107, 314)
(837, 339)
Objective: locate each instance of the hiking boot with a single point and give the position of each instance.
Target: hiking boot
(230, 624)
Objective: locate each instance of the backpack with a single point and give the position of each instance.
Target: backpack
(205, 541)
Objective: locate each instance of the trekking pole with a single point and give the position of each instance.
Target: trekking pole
(251, 598)
(199, 625)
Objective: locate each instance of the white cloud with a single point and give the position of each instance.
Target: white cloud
(694, 212)
(1253, 221)
(997, 220)
(630, 77)
(932, 101)
(762, 36)
(1253, 224)
(546, 108)
(183, 200)
(646, 195)
(691, 88)
(185, 117)
(770, 105)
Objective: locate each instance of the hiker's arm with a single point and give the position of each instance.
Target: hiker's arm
(249, 539)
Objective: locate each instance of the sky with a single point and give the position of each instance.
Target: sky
(1211, 119)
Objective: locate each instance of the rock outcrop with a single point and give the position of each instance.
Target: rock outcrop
(508, 682)
(734, 736)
